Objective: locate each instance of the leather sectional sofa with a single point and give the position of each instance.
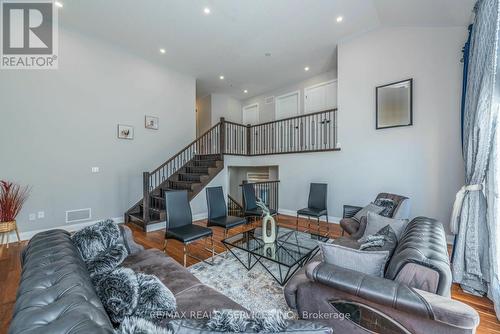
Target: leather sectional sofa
(413, 297)
(56, 296)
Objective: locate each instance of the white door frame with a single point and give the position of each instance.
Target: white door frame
(315, 86)
(248, 107)
(277, 98)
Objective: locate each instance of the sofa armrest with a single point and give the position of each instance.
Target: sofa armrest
(350, 211)
(403, 210)
(380, 290)
(390, 294)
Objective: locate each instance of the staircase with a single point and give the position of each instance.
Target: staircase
(199, 162)
(191, 169)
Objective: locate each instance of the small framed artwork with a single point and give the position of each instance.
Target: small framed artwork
(152, 122)
(125, 131)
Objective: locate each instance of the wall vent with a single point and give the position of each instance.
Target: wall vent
(269, 100)
(79, 215)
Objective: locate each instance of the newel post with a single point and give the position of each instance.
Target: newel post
(249, 139)
(145, 198)
(222, 134)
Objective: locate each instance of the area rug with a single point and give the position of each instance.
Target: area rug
(255, 290)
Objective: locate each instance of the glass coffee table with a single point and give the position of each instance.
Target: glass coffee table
(282, 258)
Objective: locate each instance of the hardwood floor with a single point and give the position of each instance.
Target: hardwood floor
(10, 270)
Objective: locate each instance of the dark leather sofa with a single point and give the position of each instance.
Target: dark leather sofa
(56, 296)
(413, 297)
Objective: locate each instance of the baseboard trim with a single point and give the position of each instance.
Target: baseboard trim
(70, 228)
(331, 219)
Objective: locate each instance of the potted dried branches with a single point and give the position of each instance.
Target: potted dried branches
(12, 198)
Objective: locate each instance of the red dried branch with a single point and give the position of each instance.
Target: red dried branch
(12, 199)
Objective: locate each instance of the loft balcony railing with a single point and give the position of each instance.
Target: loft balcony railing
(314, 132)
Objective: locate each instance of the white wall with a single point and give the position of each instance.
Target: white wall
(225, 106)
(203, 114)
(422, 161)
(267, 111)
(56, 125)
(212, 107)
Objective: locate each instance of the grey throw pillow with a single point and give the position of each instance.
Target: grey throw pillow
(376, 222)
(383, 240)
(388, 204)
(369, 208)
(368, 262)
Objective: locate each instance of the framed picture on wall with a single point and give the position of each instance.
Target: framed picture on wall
(125, 131)
(152, 122)
(394, 105)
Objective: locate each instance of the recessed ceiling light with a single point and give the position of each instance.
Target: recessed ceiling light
(339, 19)
(206, 10)
(245, 91)
(306, 68)
(221, 77)
(163, 51)
(58, 4)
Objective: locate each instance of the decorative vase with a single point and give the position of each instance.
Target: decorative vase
(6, 228)
(268, 232)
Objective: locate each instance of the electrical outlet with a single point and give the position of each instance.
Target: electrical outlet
(95, 169)
(32, 216)
(41, 214)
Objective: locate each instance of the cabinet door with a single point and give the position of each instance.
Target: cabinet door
(287, 105)
(251, 114)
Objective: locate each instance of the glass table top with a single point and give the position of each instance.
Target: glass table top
(290, 247)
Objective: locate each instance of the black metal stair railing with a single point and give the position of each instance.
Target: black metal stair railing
(234, 208)
(268, 192)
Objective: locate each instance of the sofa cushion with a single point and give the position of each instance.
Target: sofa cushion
(368, 262)
(170, 272)
(186, 288)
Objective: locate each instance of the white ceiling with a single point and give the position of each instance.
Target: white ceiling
(233, 39)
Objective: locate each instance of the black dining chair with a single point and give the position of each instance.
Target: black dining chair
(250, 208)
(217, 211)
(316, 205)
(180, 223)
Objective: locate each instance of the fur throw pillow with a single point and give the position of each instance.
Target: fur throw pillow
(119, 293)
(271, 321)
(96, 238)
(134, 325)
(107, 261)
(228, 321)
(155, 299)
